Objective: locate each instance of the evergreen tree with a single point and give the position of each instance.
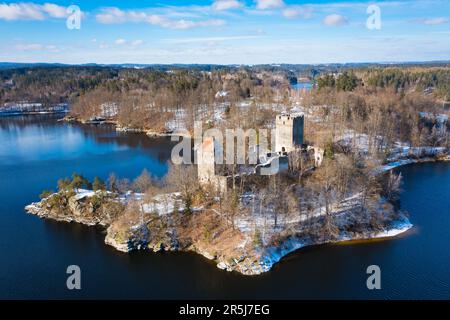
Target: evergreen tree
(78, 182)
(98, 184)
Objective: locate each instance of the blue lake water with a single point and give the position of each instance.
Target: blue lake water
(302, 86)
(36, 151)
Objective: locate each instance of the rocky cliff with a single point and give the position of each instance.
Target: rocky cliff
(85, 207)
(230, 246)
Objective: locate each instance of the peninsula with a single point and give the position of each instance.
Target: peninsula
(276, 168)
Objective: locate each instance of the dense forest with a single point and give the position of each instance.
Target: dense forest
(390, 101)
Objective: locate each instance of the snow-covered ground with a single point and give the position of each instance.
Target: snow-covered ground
(267, 216)
(360, 142)
(109, 110)
(161, 204)
(403, 151)
(399, 152)
(164, 204)
(82, 193)
(274, 254)
(440, 119)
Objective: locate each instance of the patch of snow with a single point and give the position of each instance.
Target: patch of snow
(221, 94)
(440, 119)
(273, 255)
(109, 109)
(402, 152)
(394, 231)
(222, 266)
(82, 193)
(164, 204)
(360, 142)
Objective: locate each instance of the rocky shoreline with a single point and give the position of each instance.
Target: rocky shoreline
(246, 258)
(125, 129)
(247, 261)
(404, 162)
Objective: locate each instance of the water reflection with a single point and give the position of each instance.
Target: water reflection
(42, 137)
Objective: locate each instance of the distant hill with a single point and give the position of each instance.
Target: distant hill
(207, 67)
(18, 65)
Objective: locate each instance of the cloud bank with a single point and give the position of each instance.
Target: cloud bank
(31, 11)
(115, 15)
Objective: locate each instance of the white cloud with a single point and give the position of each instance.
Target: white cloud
(335, 20)
(52, 48)
(434, 21)
(220, 5)
(295, 11)
(211, 39)
(55, 11)
(122, 42)
(31, 11)
(188, 24)
(260, 31)
(36, 47)
(115, 15)
(21, 11)
(29, 47)
(269, 4)
(111, 15)
(137, 43)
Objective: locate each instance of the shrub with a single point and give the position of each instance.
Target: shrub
(98, 184)
(45, 194)
(257, 240)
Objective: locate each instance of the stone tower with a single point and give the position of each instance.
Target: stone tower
(289, 132)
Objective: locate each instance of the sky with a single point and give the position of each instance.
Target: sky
(224, 31)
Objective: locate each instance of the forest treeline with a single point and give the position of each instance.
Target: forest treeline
(388, 105)
(429, 80)
(383, 101)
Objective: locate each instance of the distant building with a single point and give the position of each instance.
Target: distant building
(289, 132)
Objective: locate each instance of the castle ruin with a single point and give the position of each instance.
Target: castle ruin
(289, 132)
(289, 137)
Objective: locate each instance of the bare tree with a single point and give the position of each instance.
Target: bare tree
(392, 186)
(324, 183)
(143, 182)
(183, 178)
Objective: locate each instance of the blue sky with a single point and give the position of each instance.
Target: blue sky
(224, 31)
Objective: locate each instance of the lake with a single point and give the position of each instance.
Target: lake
(302, 86)
(35, 151)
